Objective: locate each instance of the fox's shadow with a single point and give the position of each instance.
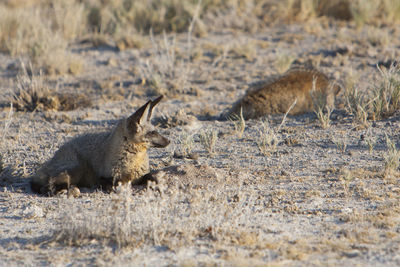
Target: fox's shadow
(11, 182)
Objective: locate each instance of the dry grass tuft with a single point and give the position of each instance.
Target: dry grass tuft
(41, 30)
(341, 142)
(161, 215)
(34, 94)
(239, 123)
(386, 95)
(391, 158)
(283, 62)
(208, 140)
(186, 141)
(41, 33)
(379, 103)
(32, 91)
(371, 140)
(357, 105)
(321, 107)
(268, 139)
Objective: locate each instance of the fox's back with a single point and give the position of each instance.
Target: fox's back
(86, 148)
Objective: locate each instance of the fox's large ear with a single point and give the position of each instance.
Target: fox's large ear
(152, 104)
(139, 117)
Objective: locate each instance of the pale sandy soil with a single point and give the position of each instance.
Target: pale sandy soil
(305, 202)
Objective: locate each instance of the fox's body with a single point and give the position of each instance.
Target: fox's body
(278, 94)
(103, 159)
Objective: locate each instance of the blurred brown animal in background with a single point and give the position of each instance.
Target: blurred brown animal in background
(278, 94)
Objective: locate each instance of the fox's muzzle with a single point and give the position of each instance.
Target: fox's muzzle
(161, 142)
(157, 140)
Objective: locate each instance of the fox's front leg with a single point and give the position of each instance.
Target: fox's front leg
(145, 179)
(60, 182)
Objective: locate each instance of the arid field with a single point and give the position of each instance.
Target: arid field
(315, 189)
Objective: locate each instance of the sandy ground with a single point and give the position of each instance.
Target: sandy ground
(319, 197)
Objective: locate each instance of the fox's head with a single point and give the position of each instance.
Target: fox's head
(139, 128)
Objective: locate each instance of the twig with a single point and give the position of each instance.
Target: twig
(287, 112)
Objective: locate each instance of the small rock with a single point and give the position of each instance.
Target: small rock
(193, 155)
(351, 254)
(112, 62)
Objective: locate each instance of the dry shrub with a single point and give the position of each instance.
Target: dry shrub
(165, 73)
(31, 91)
(130, 221)
(391, 158)
(189, 208)
(41, 30)
(115, 17)
(31, 32)
(380, 102)
(386, 94)
(363, 10)
(33, 94)
(128, 41)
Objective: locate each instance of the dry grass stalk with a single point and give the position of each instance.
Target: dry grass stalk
(8, 121)
(321, 109)
(341, 143)
(371, 140)
(239, 123)
(287, 112)
(391, 158)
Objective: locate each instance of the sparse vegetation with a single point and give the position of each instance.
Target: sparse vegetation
(363, 10)
(371, 140)
(186, 141)
(244, 50)
(32, 91)
(229, 193)
(323, 116)
(386, 95)
(34, 94)
(341, 143)
(208, 139)
(41, 30)
(267, 139)
(391, 158)
(382, 102)
(356, 104)
(283, 62)
(321, 108)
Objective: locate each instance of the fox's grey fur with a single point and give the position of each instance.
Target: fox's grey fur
(103, 159)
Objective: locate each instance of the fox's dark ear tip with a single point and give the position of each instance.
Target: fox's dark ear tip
(157, 100)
